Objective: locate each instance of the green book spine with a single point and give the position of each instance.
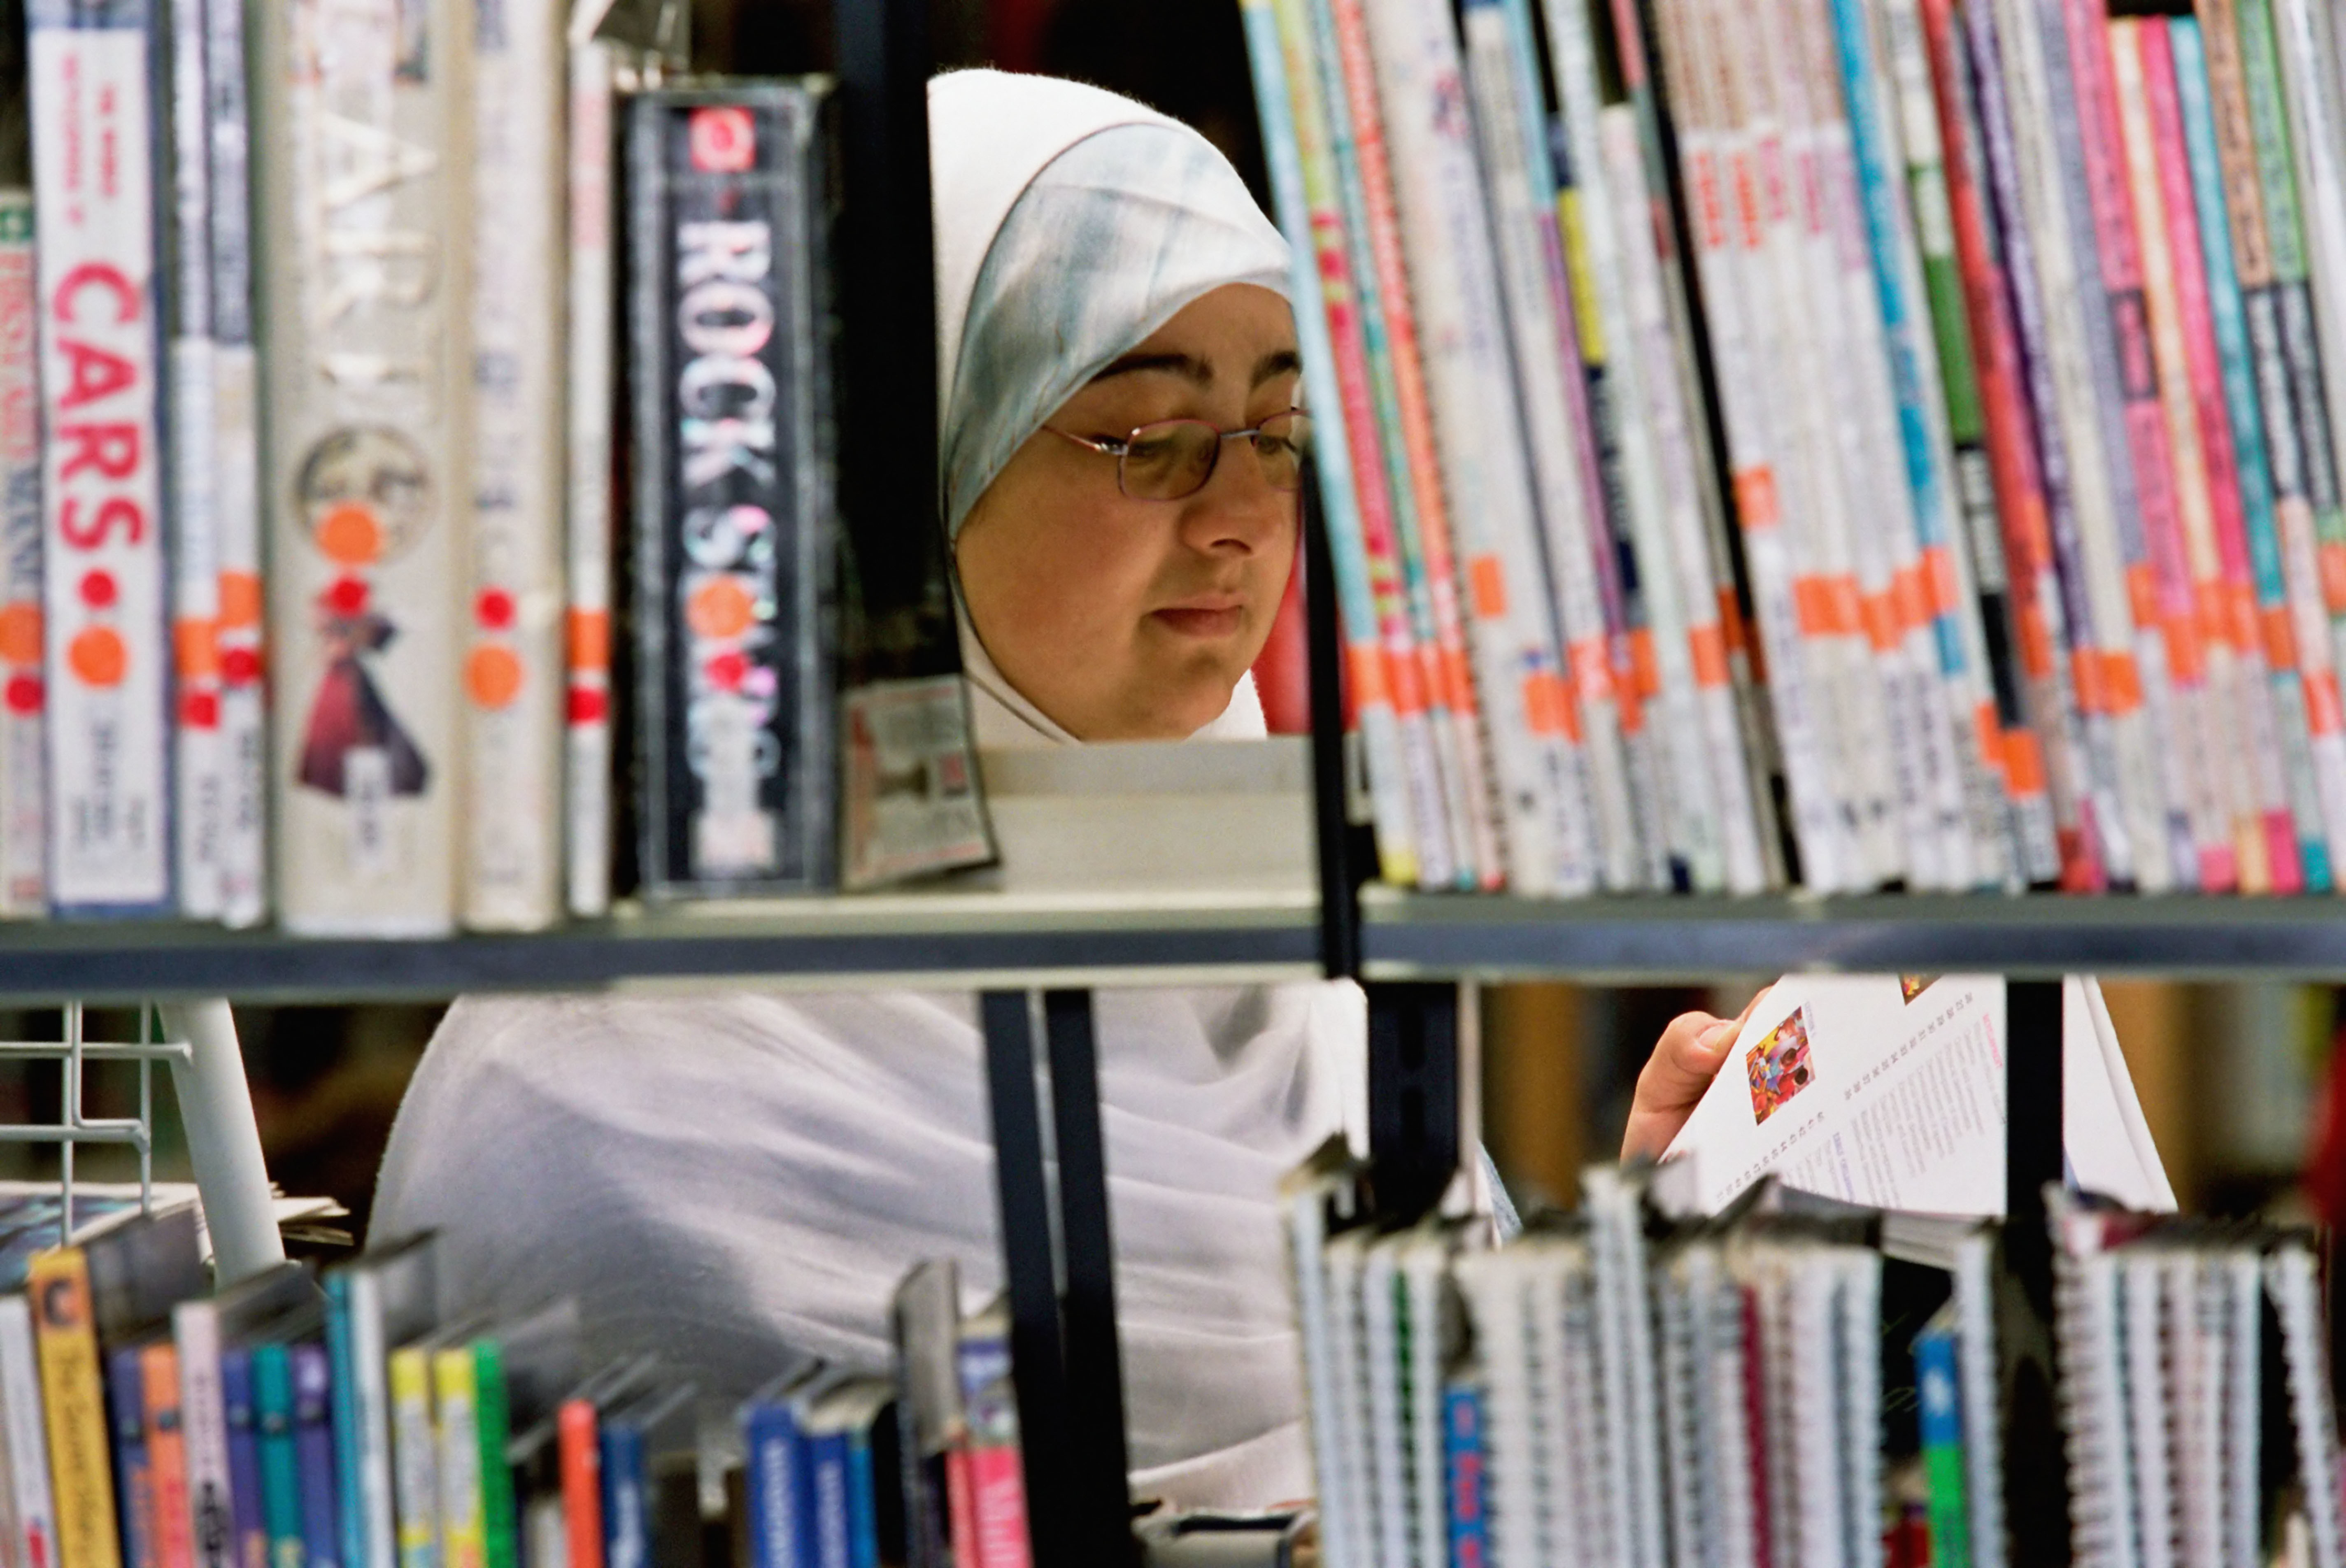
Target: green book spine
(497, 1475)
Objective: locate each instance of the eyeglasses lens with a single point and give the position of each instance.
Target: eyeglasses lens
(1172, 461)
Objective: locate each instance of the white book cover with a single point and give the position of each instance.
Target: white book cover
(107, 603)
(199, 781)
(1425, 1275)
(203, 1424)
(591, 390)
(1888, 1090)
(513, 681)
(236, 474)
(2291, 1280)
(365, 206)
(2243, 1291)
(2142, 1328)
(1306, 1199)
(1344, 1258)
(20, 1406)
(1493, 1286)
(23, 762)
(1626, 1340)
(1387, 1349)
(2193, 1295)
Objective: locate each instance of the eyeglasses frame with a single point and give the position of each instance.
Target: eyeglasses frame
(1121, 450)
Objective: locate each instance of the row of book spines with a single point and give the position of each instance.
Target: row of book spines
(175, 817)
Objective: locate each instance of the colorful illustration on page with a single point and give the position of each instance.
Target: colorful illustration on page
(1778, 1066)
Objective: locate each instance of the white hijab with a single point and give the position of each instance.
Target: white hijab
(739, 1180)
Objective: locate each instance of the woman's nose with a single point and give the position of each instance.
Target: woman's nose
(1237, 510)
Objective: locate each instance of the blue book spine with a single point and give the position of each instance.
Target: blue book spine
(771, 1437)
(627, 1487)
(1941, 1421)
(314, 1452)
(862, 1500)
(134, 1478)
(351, 1491)
(248, 1514)
(1462, 1452)
(829, 1512)
(280, 1464)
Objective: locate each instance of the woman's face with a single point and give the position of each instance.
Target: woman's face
(1125, 619)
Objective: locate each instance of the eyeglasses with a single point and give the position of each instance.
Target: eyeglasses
(1173, 458)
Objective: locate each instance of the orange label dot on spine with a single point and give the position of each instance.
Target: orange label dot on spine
(20, 634)
(99, 656)
(349, 534)
(493, 675)
(721, 607)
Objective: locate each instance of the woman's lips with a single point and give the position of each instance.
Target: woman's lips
(1203, 618)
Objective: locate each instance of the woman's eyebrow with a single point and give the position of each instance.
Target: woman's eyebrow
(1188, 367)
(1276, 363)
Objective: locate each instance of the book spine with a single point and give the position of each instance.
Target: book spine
(1461, 1449)
(2290, 1282)
(73, 1402)
(368, 409)
(350, 1520)
(203, 1420)
(1683, 546)
(627, 1518)
(1299, 175)
(770, 1444)
(235, 436)
(371, 1536)
(997, 1481)
(134, 1471)
(167, 1455)
(197, 779)
(1940, 1413)
(862, 1500)
(2315, 769)
(456, 1415)
(2233, 759)
(1618, 367)
(105, 606)
(581, 1463)
(590, 380)
(828, 1516)
(732, 553)
(1726, 227)
(1365, 508)
(249, 1538)
(24, 783)
(28, 1444)
(2281, 767)
(2032, 233)
(961, 1505)
(313, 1451)
(499, 1523)
(1411, 447)
(2305, 43)
(281, 1455)
(1510, 121)
(415, 1460)
(513, 684)
(2124, 382)
(2304, 635)
(1461, 328)
(2013, 736)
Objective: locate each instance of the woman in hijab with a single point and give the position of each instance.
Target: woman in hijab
(739, 1180)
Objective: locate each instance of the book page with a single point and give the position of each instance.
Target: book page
(1889, 1090)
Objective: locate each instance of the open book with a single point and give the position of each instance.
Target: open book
(1888, 1090)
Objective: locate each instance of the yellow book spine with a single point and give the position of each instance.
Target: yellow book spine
(415, 1466)
(463, 1533)
(64, 1338)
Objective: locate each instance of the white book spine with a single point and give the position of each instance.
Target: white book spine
(2243, 1380)
(1424, 1274)
(198, 792)
(1307, 1236)
(1715, 161)
(1694, 831)
(1461, 331)
(1349, 1361)
(107, 603)
(1522, 221)
(1813, 1352)
(370, 1402)
(1493, 1286)
(20, 1406)
(2289, 1278)
(591, 392)
(513, 675)
(236, 475)
(1385, 1339)
(24, 784)
(365, 214)
(2141, 1302)
(1684, 549)
(1860, 1390)
(203, 1421)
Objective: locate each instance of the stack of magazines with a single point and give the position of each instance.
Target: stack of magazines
(1793, 1380)
(1841, 443)
(147, 1422)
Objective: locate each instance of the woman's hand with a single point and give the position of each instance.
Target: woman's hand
(1685, 1060)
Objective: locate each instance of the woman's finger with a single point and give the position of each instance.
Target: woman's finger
(1685, 1060)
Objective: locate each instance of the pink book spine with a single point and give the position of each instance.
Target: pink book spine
(1445, 664)
(998, 1504)
(2233, 614)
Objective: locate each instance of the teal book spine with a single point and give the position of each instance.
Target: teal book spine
(280, 1464)
(350, 1510)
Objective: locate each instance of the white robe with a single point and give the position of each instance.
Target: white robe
(738, 1179)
